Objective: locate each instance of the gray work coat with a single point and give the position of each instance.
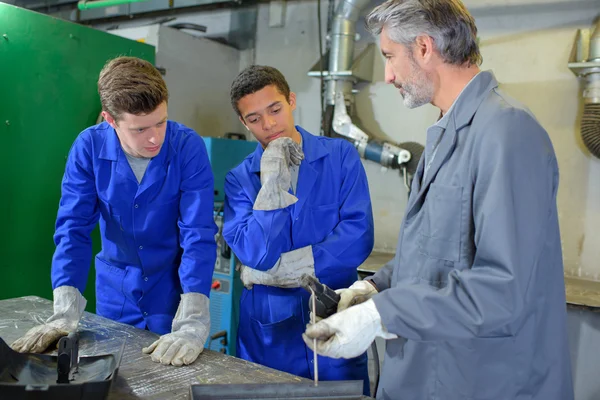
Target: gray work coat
(476, 289)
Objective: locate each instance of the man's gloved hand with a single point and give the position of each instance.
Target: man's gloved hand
(349, 333)
(69, 305)
(285, 274)
(292, 265)
(189, 332)
(275, 176)
(251, 277)
(359, 292)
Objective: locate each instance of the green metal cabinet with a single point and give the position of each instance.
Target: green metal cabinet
(48, 94)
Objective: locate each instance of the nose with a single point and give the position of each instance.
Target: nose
(390, 77)
(268, 123)
(153, 135)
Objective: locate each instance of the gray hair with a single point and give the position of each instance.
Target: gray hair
(446, 21)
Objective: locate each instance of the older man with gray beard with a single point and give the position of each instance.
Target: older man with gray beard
(473, 305)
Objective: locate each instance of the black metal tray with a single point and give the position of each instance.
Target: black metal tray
(34, 376)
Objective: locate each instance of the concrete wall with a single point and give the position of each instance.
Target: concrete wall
(199, 80)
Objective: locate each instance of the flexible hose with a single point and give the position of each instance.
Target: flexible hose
(590, 128)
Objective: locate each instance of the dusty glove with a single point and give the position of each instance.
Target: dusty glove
(189, 332)
(349, 333)
(251, 277)
(69, 305)
(359, 292)
(285, 274)
(275, 176)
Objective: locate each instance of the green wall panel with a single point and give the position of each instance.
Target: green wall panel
(48, 94)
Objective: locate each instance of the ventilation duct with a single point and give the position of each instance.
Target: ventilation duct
(585, 63)
(344, 71)
(341, 54)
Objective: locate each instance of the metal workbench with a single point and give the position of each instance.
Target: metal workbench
(374, 262)
(138, 376)
(582, 292)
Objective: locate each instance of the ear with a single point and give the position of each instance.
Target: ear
(108, 118)
(292, 100)
(424, 48)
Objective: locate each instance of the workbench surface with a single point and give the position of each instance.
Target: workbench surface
(374, 262)
(582, 292)
(138, 376)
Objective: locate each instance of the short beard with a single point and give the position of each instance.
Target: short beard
(418, 89)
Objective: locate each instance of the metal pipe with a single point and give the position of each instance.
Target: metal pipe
(88, 5)
(343, 33)
(314, 321)
(594, 51)
(341, 53)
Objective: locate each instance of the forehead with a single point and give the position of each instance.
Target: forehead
(151, 118)
(260, 99)
(388, 45)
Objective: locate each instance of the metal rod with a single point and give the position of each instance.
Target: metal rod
(88, 5)
(313, 317)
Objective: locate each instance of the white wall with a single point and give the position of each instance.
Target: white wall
(527, 45)
(199, 72)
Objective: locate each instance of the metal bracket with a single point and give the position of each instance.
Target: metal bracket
(342, 123)
(68, 358)
(360, 71)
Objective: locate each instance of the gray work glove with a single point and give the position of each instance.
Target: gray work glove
(358, 292)
(285, 274)
(69, 305)
(189, 332)
(275, 176)
(349, 333)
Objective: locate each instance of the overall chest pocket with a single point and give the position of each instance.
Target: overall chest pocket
(440, 233)
(114, 223)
